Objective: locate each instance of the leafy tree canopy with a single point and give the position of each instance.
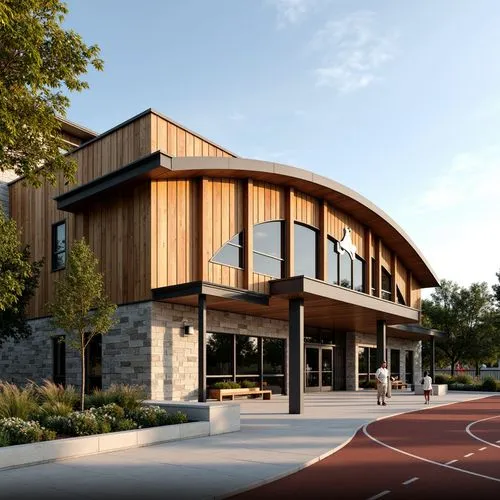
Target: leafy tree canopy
(496, 290)
(13, 320)
(15, 268)
(39, 62)
(81, 307)
(467, 316)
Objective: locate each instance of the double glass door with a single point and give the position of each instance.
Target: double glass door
(318, 368)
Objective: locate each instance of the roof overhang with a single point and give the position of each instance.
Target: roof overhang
(159, 165)
(325, 306)
(416, 332)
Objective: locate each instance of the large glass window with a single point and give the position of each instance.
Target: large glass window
(386, 284)
(219, 354)
(247, 355)
(358, 276)
(305, 251)
(395, 371)
(93, 364)
(333, 263)
(268, 248)
(231, 254)
(59, 246)
(225, 351)
(409, 367)
(346, 270)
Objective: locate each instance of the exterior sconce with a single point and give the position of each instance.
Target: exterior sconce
(188, 329)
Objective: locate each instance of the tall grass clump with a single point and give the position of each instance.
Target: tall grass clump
(17, 402)
(56, 399)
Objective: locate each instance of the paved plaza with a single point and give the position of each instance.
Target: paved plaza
(270, 445)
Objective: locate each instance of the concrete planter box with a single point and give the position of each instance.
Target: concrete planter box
(48, 451)
(437, 389)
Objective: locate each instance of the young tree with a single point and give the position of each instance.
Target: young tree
(18, 282)
(81, 307)
(39, 62)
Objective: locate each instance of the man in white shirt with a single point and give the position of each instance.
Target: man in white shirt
(382, 375)
(427, 383)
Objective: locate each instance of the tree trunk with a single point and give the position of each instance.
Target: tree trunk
(478, 370)
(453, 368)
(83, 380)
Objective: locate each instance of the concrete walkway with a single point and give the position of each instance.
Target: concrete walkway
(271, 444)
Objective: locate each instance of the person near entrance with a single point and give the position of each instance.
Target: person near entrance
(382, 375)
(427, 383)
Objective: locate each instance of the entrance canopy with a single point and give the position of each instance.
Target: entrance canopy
(325, 306)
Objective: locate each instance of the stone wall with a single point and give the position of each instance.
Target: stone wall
(175, 355)
(5, 177)
(148, 347)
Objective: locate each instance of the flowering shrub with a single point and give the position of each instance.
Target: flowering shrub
(86, 423)
(14, 430)
(151, 416)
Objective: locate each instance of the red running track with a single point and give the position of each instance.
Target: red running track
(405, 457)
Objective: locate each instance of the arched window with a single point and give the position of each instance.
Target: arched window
(306, 251)
(231, 254)
(358, 274)
(386, 284)
(345, 270)
(401, 299)
(333, 262)
(268, 248)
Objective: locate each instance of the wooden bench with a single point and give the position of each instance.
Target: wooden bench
(399, 384)
(222, 393)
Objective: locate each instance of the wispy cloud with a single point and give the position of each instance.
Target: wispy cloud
(352, 52)
(472, 179)
(292, 11)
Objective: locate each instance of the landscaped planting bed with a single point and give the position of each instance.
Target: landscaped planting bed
(35, 413)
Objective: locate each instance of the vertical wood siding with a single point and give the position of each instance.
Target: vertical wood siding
(337, 221)
(385, 258)
(401, 279)
(306, 209)
(176, 141)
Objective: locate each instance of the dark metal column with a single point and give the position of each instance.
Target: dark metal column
(202, 348)
(296, 355)
(381, 341)
(261, 362)
(433, 358)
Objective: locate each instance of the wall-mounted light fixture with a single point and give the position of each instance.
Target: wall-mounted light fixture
(188, 329)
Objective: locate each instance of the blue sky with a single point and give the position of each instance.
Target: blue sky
(398, 100)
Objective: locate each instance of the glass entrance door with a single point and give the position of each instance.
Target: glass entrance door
(319, 369)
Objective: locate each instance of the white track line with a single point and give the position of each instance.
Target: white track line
(451, 462)
(365, 430)
(381, 494)
(468, 455)
(483, 448)
(472, 435)
(412, 480)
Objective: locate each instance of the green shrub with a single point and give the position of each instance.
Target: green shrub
(248, 384)
(110, 414)
(152, 416)
(125, 396)
(55, 395)
(126, 424)
(489, 384)
(87, 423)
(463, 379)
(60, 424)
(17, 402)
(226, 385)
(14, 430)
(442, 379)
(98, 398)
